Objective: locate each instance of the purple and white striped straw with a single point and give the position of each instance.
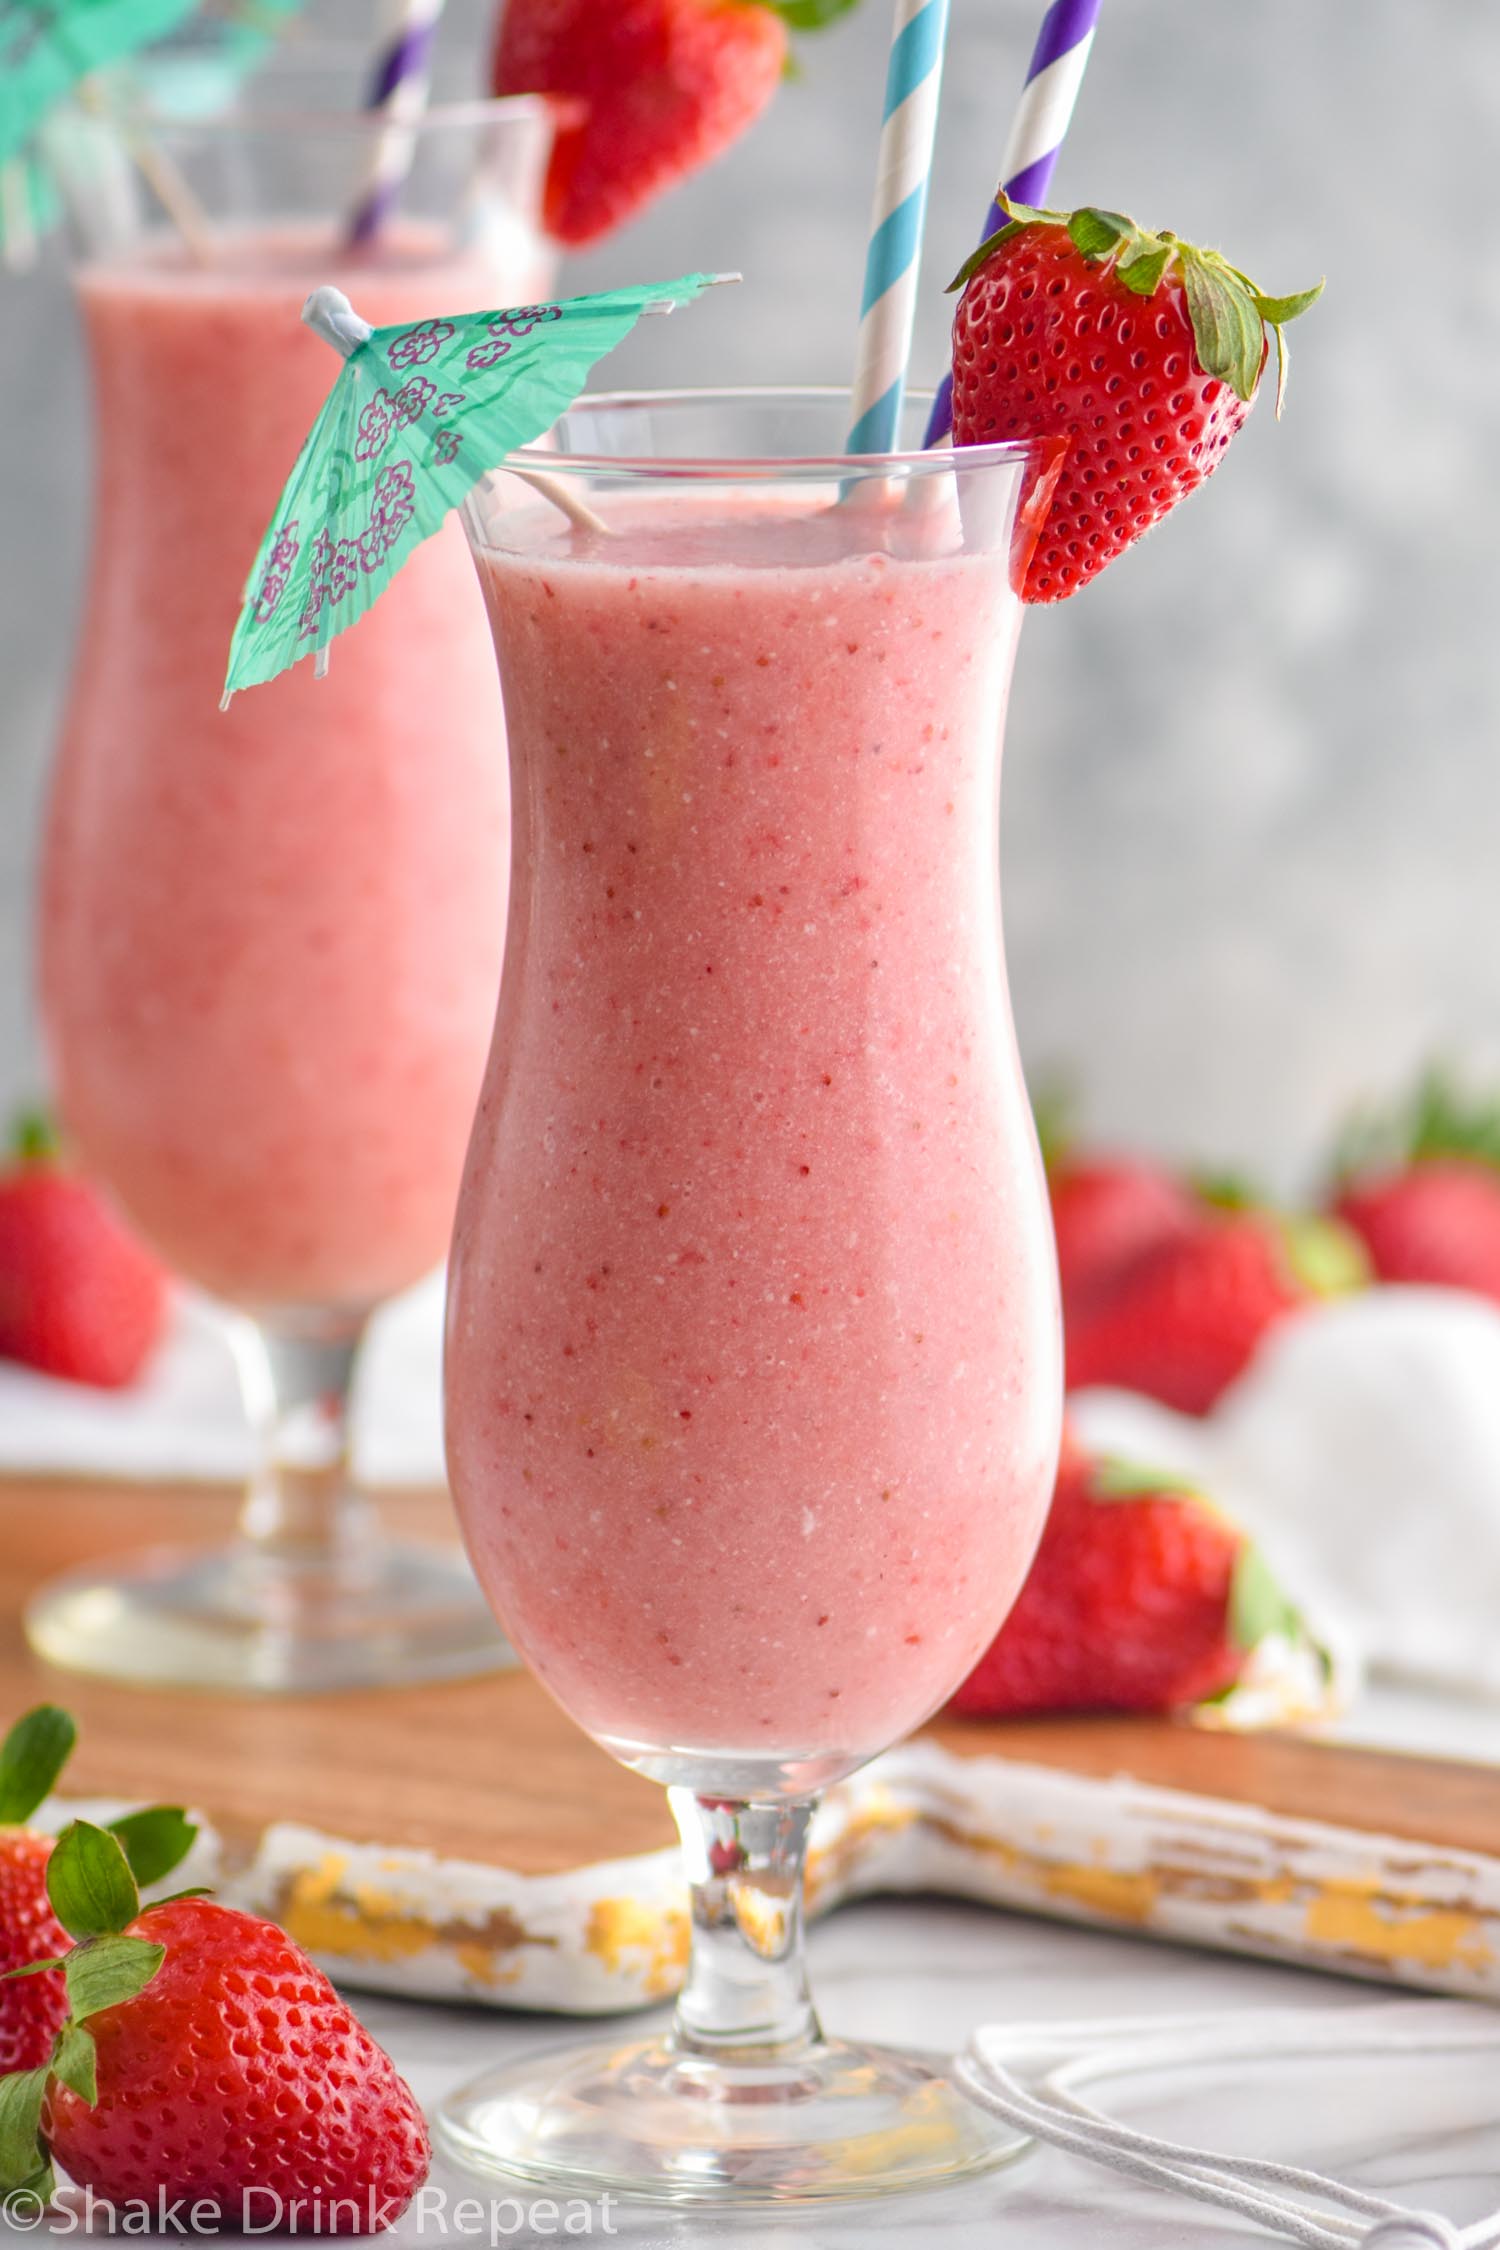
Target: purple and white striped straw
(398, 94)
(1036, 136)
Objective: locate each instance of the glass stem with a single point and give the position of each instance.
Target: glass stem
(302, 1510)
(746, 1988)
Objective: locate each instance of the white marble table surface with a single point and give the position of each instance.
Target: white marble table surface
(1426, 2133)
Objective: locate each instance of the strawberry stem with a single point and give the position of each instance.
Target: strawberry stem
(1438, 1118)
(34, 1137)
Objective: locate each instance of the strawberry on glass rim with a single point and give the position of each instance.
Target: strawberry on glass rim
(1144, 351)
(665, 86)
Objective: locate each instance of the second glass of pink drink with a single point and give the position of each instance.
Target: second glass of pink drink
(753, 1373)
(271, 938)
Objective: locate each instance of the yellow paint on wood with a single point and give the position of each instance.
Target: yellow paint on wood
(481, 1966)
(1358, 1918)
(621, 1927)
(371, 1928)
(1123, 1895)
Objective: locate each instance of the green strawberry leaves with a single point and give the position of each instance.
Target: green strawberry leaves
(32, 1756)
(1143, 264)
(1439, 1118)
(1277, 311)
(810, 15)
(1226, 326)
(89, 1882)
(1117, 1479)
(92, 1882)
(1326, 1257)
(154, 1841)
(1258, 1607)
(1098, 234)
(1229, 314)
(75, 2061)
(26, 2180)
(106, 1971)
(34, 1138)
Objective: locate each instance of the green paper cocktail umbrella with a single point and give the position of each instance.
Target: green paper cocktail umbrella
(418, 414)
(49, 49)
(47, 46)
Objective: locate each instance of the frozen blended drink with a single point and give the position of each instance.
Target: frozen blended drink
(753, 1370)
(270, 937)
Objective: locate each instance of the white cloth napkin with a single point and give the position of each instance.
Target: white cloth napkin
(184, 1419)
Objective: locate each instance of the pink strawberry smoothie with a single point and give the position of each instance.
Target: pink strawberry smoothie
(271, 937)
(753, 1369)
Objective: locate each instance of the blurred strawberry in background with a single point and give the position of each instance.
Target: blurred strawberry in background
(80, 1297)
(1106, 1210)
(665, 85)
(1169, 1284)
(1183, 1317)
(1421, 1188)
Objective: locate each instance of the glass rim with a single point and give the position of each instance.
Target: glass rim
(535, 460)
(273, 124)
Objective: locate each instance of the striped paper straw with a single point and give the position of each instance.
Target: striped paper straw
(1036, 135)
(398, 90)
(905, 164)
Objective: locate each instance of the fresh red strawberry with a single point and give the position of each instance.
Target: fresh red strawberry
(1182, 1319)
(1105, 1211)
(237, 2068)
(206, 2060)
(32, 2009)
(1422, 1189)
(1143, 351)
(1135, 1602)
(666, 86)
(80, 1297)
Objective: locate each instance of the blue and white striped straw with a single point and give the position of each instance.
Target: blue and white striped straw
(895, 254)
(1036, 135)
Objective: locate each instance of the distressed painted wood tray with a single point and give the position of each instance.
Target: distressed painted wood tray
(467, 1842)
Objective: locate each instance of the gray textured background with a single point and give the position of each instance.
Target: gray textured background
(1252, 804)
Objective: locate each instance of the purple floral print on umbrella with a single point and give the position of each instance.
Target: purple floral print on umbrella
(414, 346)
(411, 401)
(278, 570)
(374, 427)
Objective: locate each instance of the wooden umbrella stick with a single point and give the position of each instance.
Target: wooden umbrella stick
(162, 176)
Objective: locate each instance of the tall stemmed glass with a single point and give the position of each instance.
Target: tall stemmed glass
(753, 1381)
(270, 938)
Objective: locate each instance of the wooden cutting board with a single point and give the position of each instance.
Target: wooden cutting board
(1153, 1817)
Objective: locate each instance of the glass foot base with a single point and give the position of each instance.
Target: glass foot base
(236, 1619)
(669, 2126)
